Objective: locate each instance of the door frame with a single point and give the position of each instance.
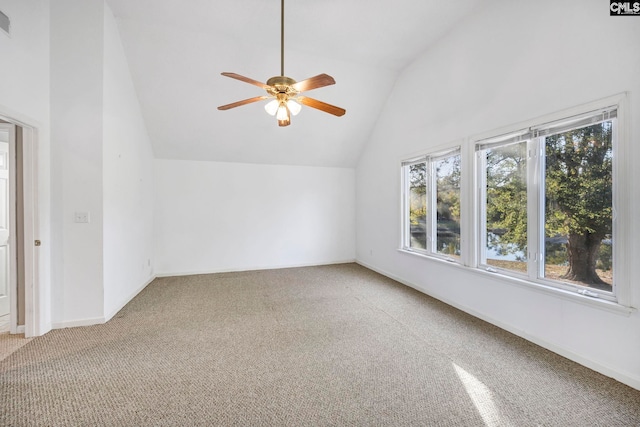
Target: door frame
(30, 218)
(12, 261)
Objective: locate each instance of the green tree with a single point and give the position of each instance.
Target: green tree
(417, 194)
(579, 196)
(507, 198)
(418, 205)
(448, 189)
(448, 204)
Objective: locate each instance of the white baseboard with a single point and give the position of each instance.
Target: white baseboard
(624, 377)
(78, 322)
(127, 300)
(38, 330)
(252, 268)
(101, 320)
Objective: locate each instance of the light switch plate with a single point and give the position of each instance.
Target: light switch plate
(81, 217)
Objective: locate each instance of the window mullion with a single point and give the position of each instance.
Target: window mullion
(535, 208)
(432, 207)
(621, 210)
(468, 207)
(481, 191)
(405, 239)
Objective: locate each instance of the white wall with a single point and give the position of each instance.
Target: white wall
(76, 141)
(24, 75)
(214, 216)
(513, 61)
(24, 97)
(127, 180)
(102, 164)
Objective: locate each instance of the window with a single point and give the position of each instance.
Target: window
(446, 171)
(546, 203)
(577, 166)
(432, 205)
(504, 206)
(417, 205)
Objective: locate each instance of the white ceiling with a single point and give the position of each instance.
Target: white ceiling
(177, 49)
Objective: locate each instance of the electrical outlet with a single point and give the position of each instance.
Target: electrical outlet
(81, 217)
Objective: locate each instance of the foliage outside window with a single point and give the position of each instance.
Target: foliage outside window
(447, 189)
(417, 206)
(578, 206)
(505, 207)
(432, 205)
(566, 236)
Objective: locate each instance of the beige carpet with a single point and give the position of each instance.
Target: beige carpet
(318, 346)
(10, 343)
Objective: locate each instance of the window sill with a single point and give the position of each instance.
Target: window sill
(598, 303)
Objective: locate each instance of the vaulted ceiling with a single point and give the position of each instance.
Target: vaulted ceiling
(177, 49)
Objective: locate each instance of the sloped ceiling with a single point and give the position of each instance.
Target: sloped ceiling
(177, 49)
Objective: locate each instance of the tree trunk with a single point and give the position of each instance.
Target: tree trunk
(583, 254)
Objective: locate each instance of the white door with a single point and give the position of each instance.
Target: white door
(7, 137)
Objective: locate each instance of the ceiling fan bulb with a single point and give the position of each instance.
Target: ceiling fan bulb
(283, 112)
(294, 107)
(272, 107)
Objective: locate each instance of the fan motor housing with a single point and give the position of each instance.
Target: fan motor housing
(281, 84)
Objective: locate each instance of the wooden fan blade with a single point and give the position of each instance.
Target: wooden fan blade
(243, 102)
(322, 106)
(320, 80)
(246, 80)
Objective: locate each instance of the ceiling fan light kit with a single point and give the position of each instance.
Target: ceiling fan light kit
(285, 92)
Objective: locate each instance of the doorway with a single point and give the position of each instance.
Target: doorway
(9, 288)
(7, 215)
(18, 220)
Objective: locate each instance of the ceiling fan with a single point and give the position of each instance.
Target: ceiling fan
(285, 92)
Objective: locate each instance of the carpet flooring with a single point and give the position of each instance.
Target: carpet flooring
(10, 343)
(316, 346)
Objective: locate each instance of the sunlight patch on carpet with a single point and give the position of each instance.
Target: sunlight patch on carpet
(482, 398)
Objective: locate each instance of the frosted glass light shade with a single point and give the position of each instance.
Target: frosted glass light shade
(283, 112)
(272, 107)
(294, 107)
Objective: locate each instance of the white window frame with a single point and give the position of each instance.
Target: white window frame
(481, 185)
(431, 196)
(531, 131)
(406, 222)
